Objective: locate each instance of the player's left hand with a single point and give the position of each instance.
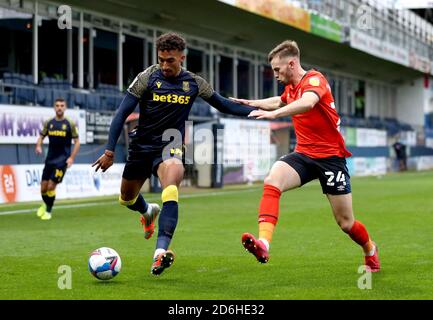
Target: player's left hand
(242, 101)
(69, 162)
(261, 114)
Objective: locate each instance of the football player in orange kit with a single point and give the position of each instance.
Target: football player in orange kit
(319, 154)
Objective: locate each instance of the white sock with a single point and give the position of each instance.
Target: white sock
(158, 252)
(148, 211)
(371, 253)
(149, 208)
(265, 242)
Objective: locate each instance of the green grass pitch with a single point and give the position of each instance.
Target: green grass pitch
(310, 257)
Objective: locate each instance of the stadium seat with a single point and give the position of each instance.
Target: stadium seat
(44, 97)
(7, 78)
(14, 78)
(4, 99)
(62, 94)
(109, 102)
(93, 102)
(78, 99)
(200, 108)
(24, 95)
(29, 79)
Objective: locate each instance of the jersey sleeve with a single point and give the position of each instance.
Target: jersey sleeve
(316, 84)
(139, 85)
(74, 130)
(205, 90)
(285, 97)
(44, 130)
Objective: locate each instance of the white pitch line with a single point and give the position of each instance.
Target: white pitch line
(92, 204)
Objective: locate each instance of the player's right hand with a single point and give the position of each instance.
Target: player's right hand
(38, 150)
(104, 162)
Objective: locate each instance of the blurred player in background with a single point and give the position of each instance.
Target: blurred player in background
(60, 131)
(319, 154)
(166, 92)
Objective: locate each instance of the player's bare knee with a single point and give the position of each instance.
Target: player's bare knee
(274, 181)
(345, 224)
(172, 174)
(51, 187)
(175, 168)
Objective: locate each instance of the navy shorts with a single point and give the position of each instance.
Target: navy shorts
(54, 172)
(332, 172)
(141, 165)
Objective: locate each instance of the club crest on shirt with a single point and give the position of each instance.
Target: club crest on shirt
(314, 81)
(63, 126)
(158, 84)
(185, 86)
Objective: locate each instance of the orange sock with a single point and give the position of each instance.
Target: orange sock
(266, 229)
(359, 234)
(269, 211)
(368, 247)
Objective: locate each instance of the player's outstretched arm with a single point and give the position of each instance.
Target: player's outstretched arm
(228, 106)
(126, 107)
(271, 103)
(304, 104)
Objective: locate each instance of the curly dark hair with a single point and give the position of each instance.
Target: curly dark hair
(170, 41)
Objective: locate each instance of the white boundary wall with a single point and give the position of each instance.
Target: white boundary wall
(21, 183)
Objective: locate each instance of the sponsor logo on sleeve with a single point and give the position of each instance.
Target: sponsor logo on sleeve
(314, 81)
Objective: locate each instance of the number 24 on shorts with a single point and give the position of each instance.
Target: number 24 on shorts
(331, 175)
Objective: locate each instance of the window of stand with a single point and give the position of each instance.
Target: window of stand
(225, 75)
(16, 41)
(133, 58)
(105, 57)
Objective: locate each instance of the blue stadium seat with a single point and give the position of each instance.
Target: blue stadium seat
(110, 102)
(93, 102)
(29, 79)
(44, 97)
(15, 79)
(24, 95)
(61, 94)
(7, 78)
(64, 84)
(4, 99)
(201, 108)
(78, 99)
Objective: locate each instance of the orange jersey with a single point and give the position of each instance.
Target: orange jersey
(318, 130)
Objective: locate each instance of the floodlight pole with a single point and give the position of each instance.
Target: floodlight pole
(81, 53)
(70, 76)
(235, 74)
(35, 44)
(120, 59)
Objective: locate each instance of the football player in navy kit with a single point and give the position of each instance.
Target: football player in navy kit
(60, 131)
(165, 92)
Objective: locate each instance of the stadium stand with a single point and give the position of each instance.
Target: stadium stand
(20, 89)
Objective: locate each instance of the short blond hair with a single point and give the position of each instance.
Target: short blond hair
(288, 48)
